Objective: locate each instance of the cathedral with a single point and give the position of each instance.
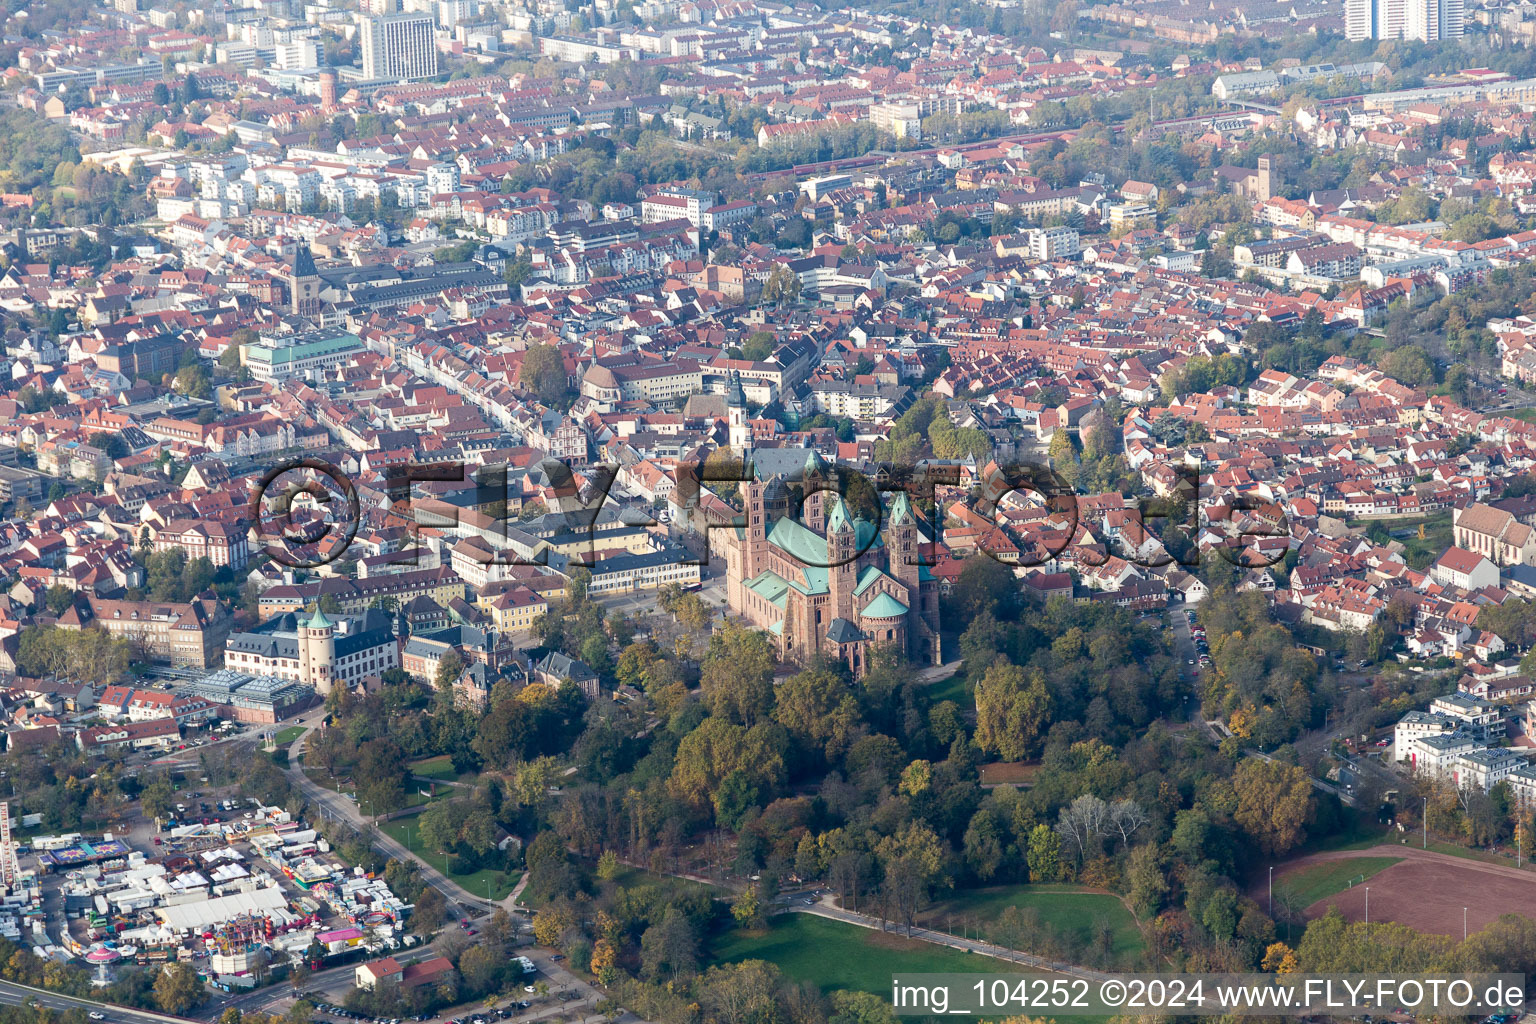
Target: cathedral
(827, 581)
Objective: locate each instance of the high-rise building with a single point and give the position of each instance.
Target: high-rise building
(398, 46)
(1427, 20)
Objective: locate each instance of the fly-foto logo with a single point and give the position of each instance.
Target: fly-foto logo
(306, 512)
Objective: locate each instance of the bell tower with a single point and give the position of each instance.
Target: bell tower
(304, 284)
(317, 652)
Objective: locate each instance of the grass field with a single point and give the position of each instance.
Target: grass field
(1068, 910)
(288, 735)
(485, 883)
(834, 955)
(953, 689)
(1528, 415)
(414, 797)
(1418, 553)
(439, 768)
(630, 877)
(1319, 881)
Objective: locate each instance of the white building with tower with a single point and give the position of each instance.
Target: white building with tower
(309, 648)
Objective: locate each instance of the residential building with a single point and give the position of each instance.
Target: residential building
(398, 46)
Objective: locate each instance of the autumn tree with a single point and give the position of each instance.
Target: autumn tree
(177, 988)
(543, 373)
(737, 676)
(1274, 801)
(1013, 709)
(818, 708)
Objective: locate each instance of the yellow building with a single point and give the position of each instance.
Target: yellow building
(513, 611)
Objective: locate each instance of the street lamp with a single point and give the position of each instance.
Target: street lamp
(1463, 924)
(1367, 904)
(1271, 890)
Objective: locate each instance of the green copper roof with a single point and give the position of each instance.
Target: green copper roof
(884, 607)
(799, 542)
(771, 588)
(868, 578)
(901, 509)
(318, 620)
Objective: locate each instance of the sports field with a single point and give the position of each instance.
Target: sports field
(1315, 882)
(1423, 889)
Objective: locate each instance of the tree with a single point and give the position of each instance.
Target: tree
(608, 866)
(449, 668)
(177, 988)
(818, 707)
(1125, 817)
(737, 676)
(1082, 822)
(58, 598)
(984, 844)
(157, 798)
(1012, 711)
(1280, 959)
(913, 860)
(670, 947)
(1274, 800)
(781, 286)
(758, 346)
(543, 373)
(193, 382)
(748, 909)
(1044, 854)
(985, 584)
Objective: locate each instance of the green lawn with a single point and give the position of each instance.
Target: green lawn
(631, 877)
(1418, 553)
(952, 688)
(485, 883)
(1319, 881)
(288, 735)
(439, 768)
(1528, 415)
(834, 955)
(1067, 909)
(414, 797)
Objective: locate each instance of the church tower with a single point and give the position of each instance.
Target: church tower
(736, 417)
(901, 542)
(815, 483)
(317, 652)
(304, 284)
(842, 548)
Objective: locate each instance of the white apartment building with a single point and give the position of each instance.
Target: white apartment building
(903, 120)
(1486, 768)
(1426, 20)
(398, 46)
(1053, 243)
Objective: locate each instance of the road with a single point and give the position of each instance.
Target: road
(329, 804)
(1185, 643)
(12, 994)
(461, 902)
